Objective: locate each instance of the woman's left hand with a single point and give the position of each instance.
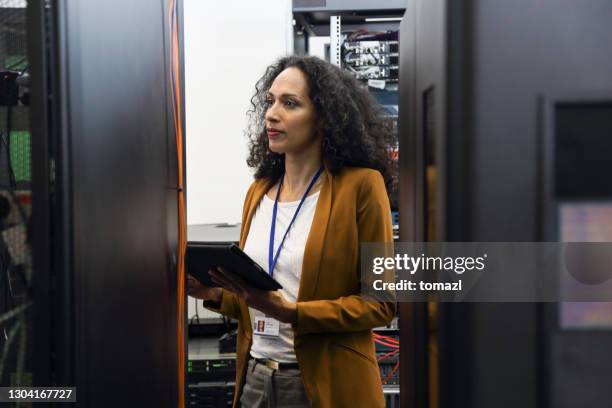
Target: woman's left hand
(272, 303)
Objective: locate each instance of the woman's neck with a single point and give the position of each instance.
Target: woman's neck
(299, 171)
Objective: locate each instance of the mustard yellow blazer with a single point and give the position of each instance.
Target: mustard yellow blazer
(332, 337)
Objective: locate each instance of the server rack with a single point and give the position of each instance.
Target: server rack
(105, 169)
(475, 69)
(374, 61)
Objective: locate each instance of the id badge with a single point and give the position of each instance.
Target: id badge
(266, 326)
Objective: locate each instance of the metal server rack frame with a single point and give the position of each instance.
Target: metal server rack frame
(392, 393)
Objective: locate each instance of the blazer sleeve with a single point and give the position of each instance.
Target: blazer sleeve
(355, 313)
(230, 305)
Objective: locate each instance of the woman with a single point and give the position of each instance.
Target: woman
(319, 147)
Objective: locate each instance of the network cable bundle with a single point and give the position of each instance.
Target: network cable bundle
(372, 56)
(387, 354)
(15, 199)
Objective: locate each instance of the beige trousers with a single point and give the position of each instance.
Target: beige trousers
(269, 388)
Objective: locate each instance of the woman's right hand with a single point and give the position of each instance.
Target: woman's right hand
(196, 289)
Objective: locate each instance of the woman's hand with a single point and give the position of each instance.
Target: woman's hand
(272, 303)
(196, 289)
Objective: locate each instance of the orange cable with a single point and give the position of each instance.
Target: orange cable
(388, 377)
(390, 340)
(387, 355)
(176, 115)
(395, 346)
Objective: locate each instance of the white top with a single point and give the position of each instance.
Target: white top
(288, 267)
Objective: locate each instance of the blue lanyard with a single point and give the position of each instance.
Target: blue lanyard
(271, 258)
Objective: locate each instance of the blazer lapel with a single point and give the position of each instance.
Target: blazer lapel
(314, 244)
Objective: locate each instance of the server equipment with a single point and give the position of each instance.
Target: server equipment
(211, 374)
(372, 56)
(106, 200)
(371, 60)
(16, 319)
(387, 355)
(491, 94)
(211, 395)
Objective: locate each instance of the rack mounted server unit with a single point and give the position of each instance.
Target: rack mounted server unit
(372, 59)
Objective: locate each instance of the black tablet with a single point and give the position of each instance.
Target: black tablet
(202, 257)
